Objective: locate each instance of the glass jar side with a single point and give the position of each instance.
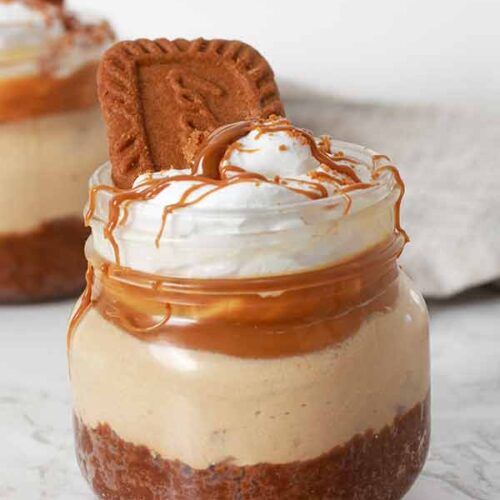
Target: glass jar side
(209, 415)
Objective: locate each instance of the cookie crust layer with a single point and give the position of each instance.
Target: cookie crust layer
(46, 263)
(371, 466)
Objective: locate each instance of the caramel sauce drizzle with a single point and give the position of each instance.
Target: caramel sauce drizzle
(397, 208)
(123, 197)
(208, 159)
(238, 147)
(207, 171)
(321, 191)
(212, 152)
(325, 144)
(342, 190)
(341, 156)
(182, 203)
(377, 157)
(238, 179)
(134, 323)
(232, 169)
(84, 305)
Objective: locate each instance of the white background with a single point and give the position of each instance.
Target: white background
(391, 50)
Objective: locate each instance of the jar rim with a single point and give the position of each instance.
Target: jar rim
(352, 267)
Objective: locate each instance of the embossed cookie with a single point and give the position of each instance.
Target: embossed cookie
(157, 95)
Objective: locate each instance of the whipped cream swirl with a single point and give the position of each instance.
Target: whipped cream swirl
(274, 209)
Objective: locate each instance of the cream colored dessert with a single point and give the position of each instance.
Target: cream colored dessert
(204, 408)
(51, 132)
(51, 138)
(251, 330)
(46, 162)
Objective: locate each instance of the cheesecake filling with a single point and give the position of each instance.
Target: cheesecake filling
(46, 162)
(202, 407)
(51, 132)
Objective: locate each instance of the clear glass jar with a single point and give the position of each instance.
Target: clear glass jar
(304, 384)
(51, 138)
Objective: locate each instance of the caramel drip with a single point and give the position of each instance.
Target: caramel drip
(241, 177)
(212, 152)
(238, 147)
(397, 206)
(247, 176)
(238, 317)
(207, 160)
(323, 158)
(325, 177)
(83, 306)
(136, 324)
(182, 203)
(321, 191)
(125, 213)
(120, 199)
(230, 169)
(241, 174)
(377, 157)
(123, 197)
(93, 198)
(353, 267)
(356, 187)
(341, 156)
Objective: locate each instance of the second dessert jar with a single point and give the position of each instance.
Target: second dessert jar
(51, 138)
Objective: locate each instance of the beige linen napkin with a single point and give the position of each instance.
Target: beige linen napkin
(449, 160)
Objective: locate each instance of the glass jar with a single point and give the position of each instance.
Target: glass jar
(311, 383)
(51, 138)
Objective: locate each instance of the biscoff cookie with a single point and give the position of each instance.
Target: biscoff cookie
(161, 97)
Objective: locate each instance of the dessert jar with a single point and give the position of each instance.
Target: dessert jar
(51, 139)
(278, 354)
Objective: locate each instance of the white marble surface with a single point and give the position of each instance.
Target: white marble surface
(36, 447)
